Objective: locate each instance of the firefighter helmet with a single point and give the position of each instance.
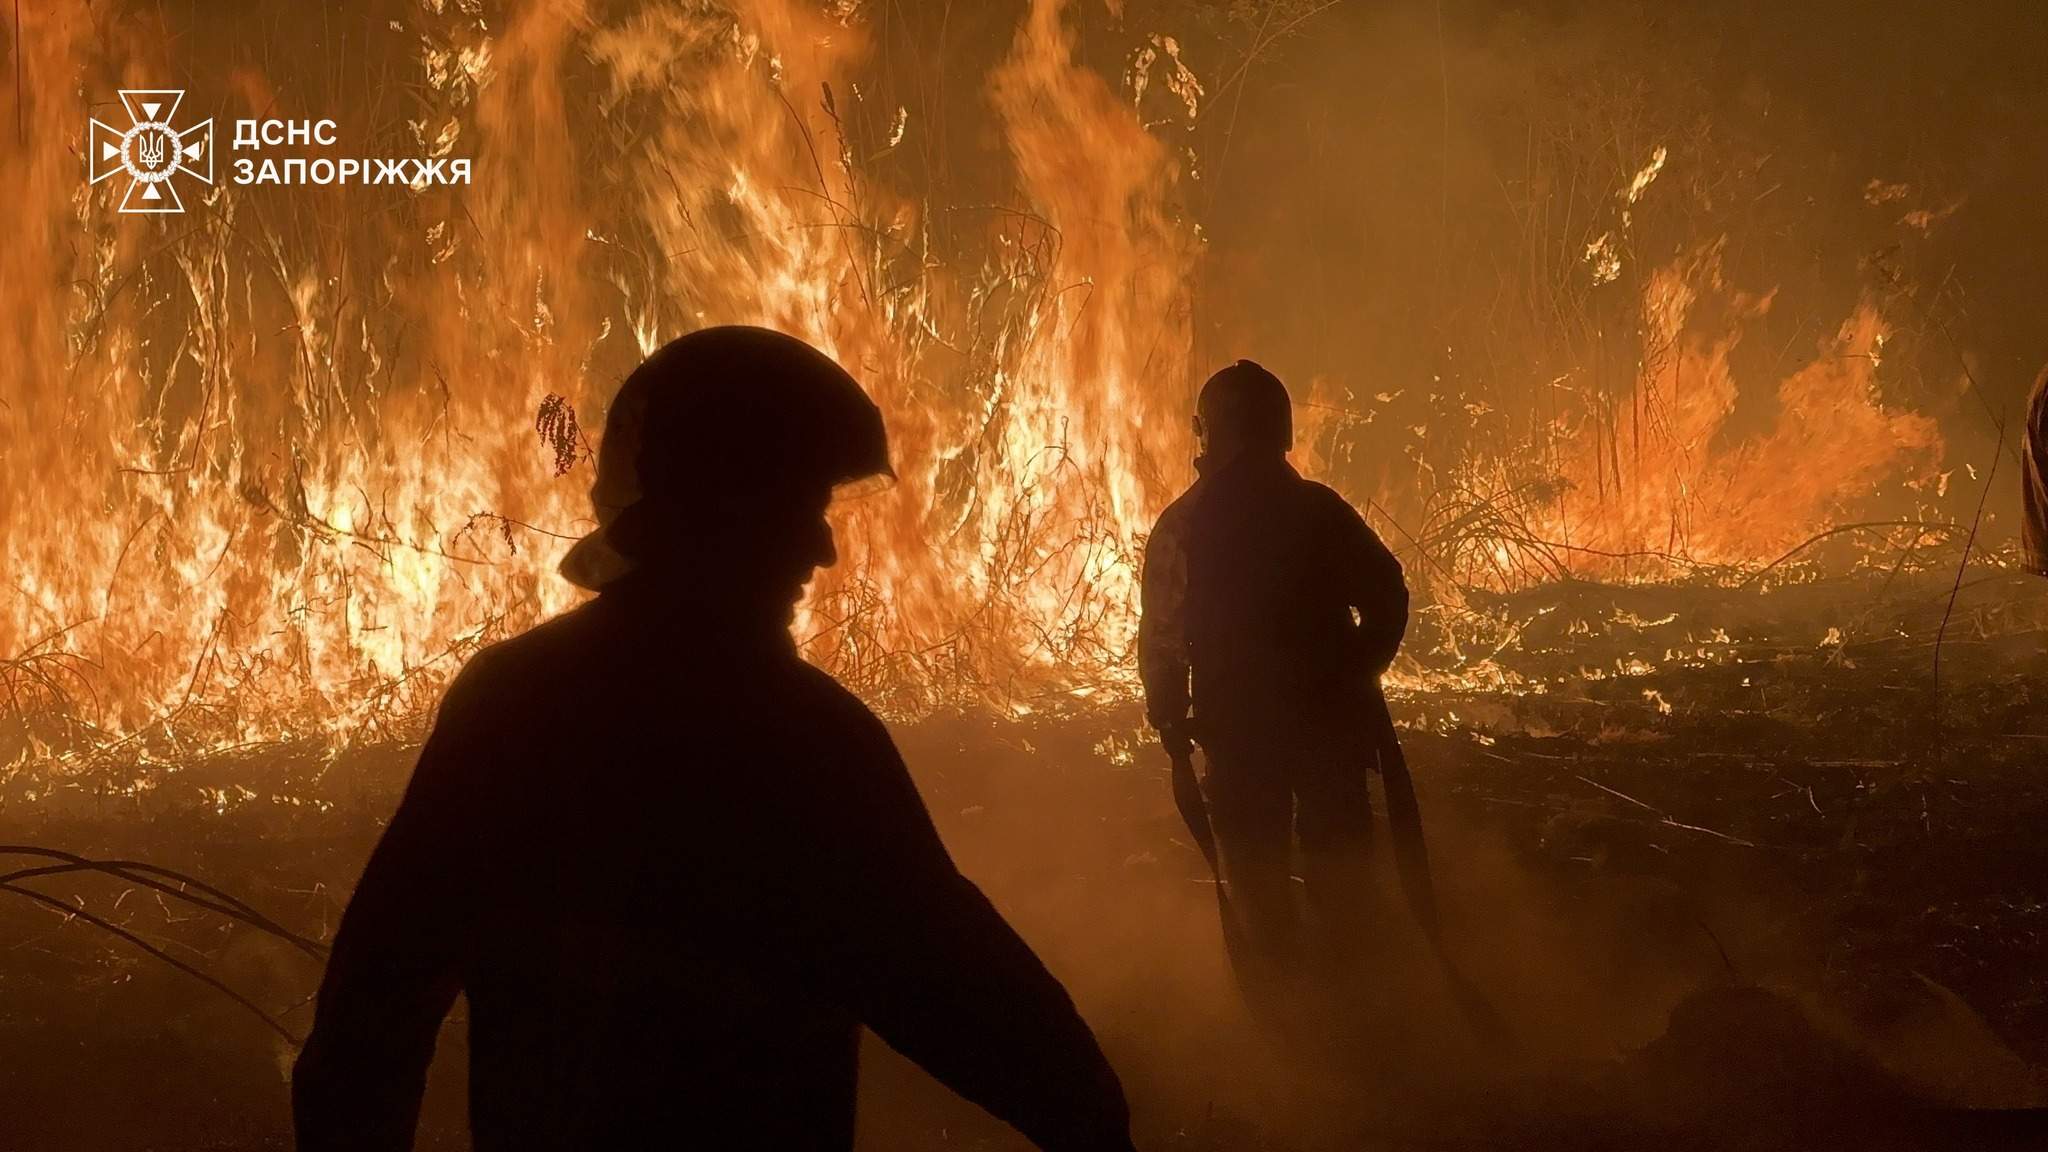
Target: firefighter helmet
(1244, 408)
(724, 415)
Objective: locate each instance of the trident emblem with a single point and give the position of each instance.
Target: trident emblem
(150, 151)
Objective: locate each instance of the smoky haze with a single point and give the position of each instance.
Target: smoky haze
(1401, 200)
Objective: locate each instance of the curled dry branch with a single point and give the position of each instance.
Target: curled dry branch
(193, 891)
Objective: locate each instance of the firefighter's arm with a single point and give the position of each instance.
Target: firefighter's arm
(392, 974)
(1373, 584)
(1162, 637)
(2034, 480)
(922, 958)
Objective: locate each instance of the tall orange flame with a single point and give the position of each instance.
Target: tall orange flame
(270, 470)
(1684, 486)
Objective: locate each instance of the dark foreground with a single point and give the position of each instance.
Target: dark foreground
(1805, 907)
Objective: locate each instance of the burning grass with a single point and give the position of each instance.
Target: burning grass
(274, 472)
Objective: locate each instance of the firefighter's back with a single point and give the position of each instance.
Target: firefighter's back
(1269, 630)
(638, 970)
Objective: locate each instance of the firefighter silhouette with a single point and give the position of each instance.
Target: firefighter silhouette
(1270, 609)
(674, 867)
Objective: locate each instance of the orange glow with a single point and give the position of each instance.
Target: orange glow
(245, 502)
(269, 470)
(1678, 484)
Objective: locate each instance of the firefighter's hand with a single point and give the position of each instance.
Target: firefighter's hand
(1178, 744)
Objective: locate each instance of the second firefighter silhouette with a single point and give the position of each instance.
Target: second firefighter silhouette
(1270, 609)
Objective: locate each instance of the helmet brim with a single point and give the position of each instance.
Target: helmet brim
(595, 561)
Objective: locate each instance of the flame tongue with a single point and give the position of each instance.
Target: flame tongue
(274, 471)
(277, 476)
(1682, 487)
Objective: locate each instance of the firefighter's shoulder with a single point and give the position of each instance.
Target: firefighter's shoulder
(1174, 519)
(1328, 500)
(824, 706)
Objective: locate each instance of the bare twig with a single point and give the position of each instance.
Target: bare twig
(1665, 818)
(138, 872)
(104, 924)
(1941, 633)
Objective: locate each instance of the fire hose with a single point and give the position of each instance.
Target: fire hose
(1411, 859)
(1194, 812)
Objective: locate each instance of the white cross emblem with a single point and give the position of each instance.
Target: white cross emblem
(150, 151)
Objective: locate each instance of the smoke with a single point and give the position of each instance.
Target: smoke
(1465, 258)
(1645, 991)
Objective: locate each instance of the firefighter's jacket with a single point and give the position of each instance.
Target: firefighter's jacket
(1268, 603)
(675, 868)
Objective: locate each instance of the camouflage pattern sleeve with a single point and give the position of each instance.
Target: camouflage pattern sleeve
(1162, 618)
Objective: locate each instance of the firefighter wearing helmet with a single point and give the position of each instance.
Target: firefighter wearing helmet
(1270, 610)
(674, 867)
